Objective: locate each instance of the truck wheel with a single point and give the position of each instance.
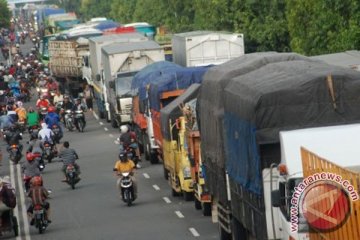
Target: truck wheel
(197, 204)
(174, 193)
(223, 234)
(101, 115)
(166, 173)
(154, 158)
(114, 124)
(206, 209)
(107, 116)
(147, 151)
(188, 196)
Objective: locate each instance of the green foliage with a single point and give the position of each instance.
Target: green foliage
(95, 8)
(122, 10)
(5, 14)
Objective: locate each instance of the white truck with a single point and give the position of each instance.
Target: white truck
(121, 62)
(201, 48)
(92, 67)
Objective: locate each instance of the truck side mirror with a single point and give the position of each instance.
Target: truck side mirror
(98, 78)
(112, 84)
(275, 198)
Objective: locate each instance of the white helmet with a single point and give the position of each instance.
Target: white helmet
(124, 129)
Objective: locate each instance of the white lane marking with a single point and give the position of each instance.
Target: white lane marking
(146, 175)
(110, 135)
(16, 210)
(106, 129)
(194, 232)
(96, 116)
(156, 187)
(101, 123)
(167, 200)
(22, 199)
(179, 214)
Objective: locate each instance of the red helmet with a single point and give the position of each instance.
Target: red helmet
(36, 181)
(51, 109)
(29, 156)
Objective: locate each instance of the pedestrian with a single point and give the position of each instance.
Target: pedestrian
(88, 97)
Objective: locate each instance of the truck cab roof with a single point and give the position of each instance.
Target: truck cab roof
(338, 144)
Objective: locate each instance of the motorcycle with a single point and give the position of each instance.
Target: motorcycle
(27, 182)
(69, 120)
(131, 154)
(48, 153)
(9, 223)
(41, 164)
(15, 154)
(43, 112)
(34, 131)
(72, 176)
(79, 120)
(56, 130)
(127, 189)
(39, 216)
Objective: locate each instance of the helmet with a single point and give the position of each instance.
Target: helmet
(51, 109)
(36, 181)
(29, 156)
(19, 104)
(122, 156)
(124, 129)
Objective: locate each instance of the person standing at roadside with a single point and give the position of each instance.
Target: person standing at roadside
(88, 97)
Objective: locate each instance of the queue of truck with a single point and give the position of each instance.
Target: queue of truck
(237, 133)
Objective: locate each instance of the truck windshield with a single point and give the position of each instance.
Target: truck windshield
(123, 83)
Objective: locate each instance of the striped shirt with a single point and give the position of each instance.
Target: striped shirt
(38, 195)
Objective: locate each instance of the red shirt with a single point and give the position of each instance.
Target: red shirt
(42, 103)
(38, 195)
(52, 86)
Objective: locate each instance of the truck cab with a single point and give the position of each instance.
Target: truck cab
(120, 97)
(324, 150)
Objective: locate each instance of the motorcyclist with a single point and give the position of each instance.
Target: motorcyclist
(79, 107)
(58, 97)
(52, 118)
(67, 105)
(128, 139)
(32, 118)
(7, 198)
(35, 146)
(12, 114)
(21, 112)
(42, 102)
(13, 137)
(52, 85)
(38, 195)
(46, 134)
(69, 156)
(30, 167)
(124, 165)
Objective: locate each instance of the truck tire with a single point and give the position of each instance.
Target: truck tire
(154, 158)
(166, 173)
(238, 231)
(223, 234)
(147, 150)
(114, 124)
(107, 116)
(188, 196)
(101, 114)
(197, 204)
(206, 209)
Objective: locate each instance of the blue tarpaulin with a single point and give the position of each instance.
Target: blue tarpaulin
(149, 74)
(103, 25)
(165, 76)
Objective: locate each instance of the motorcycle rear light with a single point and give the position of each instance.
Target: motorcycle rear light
(37, 207)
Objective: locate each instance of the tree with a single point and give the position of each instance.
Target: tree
(122, 10)
(95, 8)
(5, 14)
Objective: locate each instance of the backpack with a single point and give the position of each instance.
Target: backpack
(9, 197)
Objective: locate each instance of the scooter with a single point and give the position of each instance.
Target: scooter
(15, 154)
(56, 130)
(48, 153)
(39, 216)
(79, 120)
(9, 223)
(127, 189)
(72, 177)
(69, 120)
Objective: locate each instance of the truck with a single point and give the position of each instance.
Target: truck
(200, 48)
(66, 60)
(244, 109)
(93, 65)
(349, 59)
(121, 61)
(52, 19)
(162, 87)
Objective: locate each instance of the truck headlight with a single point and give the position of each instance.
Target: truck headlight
(187, 172)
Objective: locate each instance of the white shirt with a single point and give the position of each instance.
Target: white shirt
(46, 133)
(58, 98)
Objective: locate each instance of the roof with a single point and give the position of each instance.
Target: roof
(198, 33)
(105, 38)
(344, 59)
(116, 48)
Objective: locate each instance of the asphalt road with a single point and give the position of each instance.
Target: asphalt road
(94, 209)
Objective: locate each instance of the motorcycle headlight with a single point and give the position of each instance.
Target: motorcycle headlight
(187, 172)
